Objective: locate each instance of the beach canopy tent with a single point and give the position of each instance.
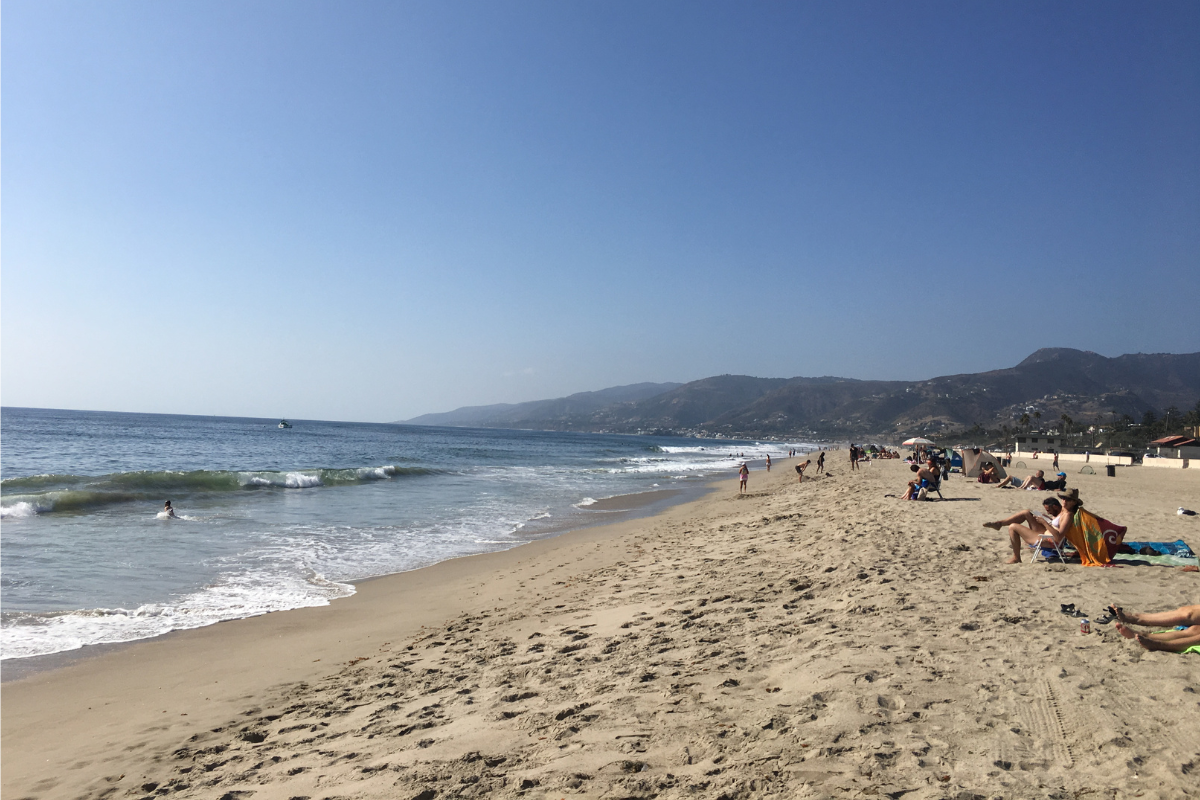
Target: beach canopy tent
(975, 460)
(914, 442)
(956, 460)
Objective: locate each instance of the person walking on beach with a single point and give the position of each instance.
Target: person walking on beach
(768, 463)
(1055, 465)
(743, 476)
(820, 462)
(853, 456)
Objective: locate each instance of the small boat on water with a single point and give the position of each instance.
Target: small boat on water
(283, 423)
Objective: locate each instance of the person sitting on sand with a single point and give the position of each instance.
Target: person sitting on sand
(168, 511)
(1054, 523)
(988, 474)
(743, 476)
(1034, 482)
(924, 474)
(1185, 638)
(800, 470)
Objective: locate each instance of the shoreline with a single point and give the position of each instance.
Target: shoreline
(624, 507)
(796, 640)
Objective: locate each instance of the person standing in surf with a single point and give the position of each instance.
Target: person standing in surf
(168, 511)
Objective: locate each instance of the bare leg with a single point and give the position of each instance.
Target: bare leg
(1019, 536)
(1187, 615)
(1028, 517)
(1176, 645)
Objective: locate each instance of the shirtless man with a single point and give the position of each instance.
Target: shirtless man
(168, 511)
(1053, 523)
(800, 470)
(1034, 481)
(923, 474)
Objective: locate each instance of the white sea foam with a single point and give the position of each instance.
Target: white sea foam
(587, 501)
(246, 595)
(22, 508)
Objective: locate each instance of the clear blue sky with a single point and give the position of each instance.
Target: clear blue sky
(368, 211)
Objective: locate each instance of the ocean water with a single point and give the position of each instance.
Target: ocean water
(272, 518)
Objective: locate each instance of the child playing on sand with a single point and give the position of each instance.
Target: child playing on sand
(743, 476)
(1184, 639)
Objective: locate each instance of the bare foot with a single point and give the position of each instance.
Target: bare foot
(1120, 614)
(1013, 560)
(1151, 644)
(1121, 629)
(993, 525)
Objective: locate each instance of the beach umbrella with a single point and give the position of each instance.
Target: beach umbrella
(914, 442)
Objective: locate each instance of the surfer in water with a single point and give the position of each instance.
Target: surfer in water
(167, 511)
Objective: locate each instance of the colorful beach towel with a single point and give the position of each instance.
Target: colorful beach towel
(1166, 554)
(1096, 539)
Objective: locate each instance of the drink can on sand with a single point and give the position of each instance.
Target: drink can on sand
(1085, 626)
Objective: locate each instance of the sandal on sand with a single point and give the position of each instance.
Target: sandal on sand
(1107, 618)
(1070, 610)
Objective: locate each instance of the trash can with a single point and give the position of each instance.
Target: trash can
(1112, 470)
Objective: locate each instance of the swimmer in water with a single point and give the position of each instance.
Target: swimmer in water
(168, 511)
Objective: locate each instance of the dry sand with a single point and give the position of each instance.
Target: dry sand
(815, 640)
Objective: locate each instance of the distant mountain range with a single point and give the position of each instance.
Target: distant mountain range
(1053, 381)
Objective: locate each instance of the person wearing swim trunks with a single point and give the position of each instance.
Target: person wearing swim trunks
(800, 470)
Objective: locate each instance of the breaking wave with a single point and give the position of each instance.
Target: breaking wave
(40, 494)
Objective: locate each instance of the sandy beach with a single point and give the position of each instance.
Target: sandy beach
(814, 640)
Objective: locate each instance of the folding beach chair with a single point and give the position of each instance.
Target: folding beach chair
(1044, 545)
(931, 487)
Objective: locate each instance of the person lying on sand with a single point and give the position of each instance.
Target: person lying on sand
(1185, 620)
(1057, 485)
(923, 474)
(1034, 481)
(1053, 523)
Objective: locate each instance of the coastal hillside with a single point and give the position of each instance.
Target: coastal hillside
(1051, 382)
(544, 414)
